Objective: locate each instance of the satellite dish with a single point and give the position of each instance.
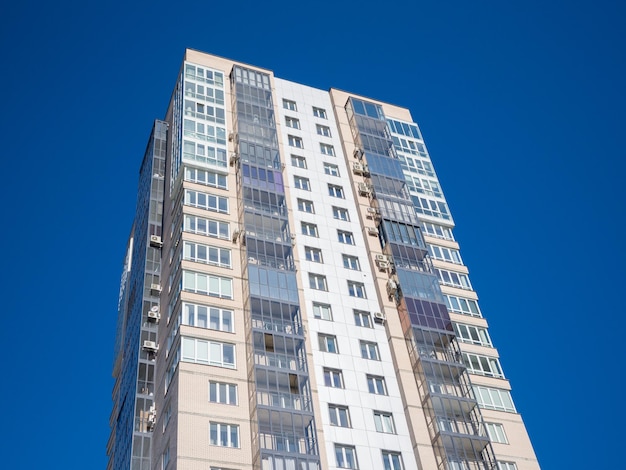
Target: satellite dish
(155, 309)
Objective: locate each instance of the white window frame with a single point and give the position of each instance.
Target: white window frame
(223, 393)
(206, 177)
(360, 316)
(494, 398)
(336, 191)
(341, 213)
(327, 149)
(462, 305)
(300, 182)
(472, 334)
(206, 201)
(496, 433)
(309, 228)
(322, 311)
(208, 227)
(214, 318)
(357, 289)
(207, 254)
(453, 279)
(376, 385)
(292, 122)
(323, 130)
(339, 415)
(328, 343)
(369, 350)
(331, 170)
(392, 460)
(351, 262)
(318, 282)
(217, 439)
(333, 378)
(304, 205)
(207, 284)
(217, 353)
(298, 161)
(290, 105)
(295, 141)
(345, 237)
(346, 456)
(483, 365)
(383, 422)
(313, 254)
(319, 112)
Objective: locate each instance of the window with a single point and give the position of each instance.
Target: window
(319, 112)
(208, 227)
(327, 149)
(313, 254)
(298, 161)
(290, 105)
(445, 254)
(304, 205)
(302, 183)
(309, 229)
(295, 141)
(472, 334)
(356, 289)
(206, 201)
(207, 284)
(203, 351)
(330, 169)
(454, 279)
(328, 343)
(207, 254)
(376, 385)
(439, 231)
(203, 316)
(494, 399)
(340, 213)
(369, 350)
(323, 130)
(339, 416)
(336, 191)
(317, 281)
(351, 262)
(346, 456)
(292, 122)
(392, 460)
(333, 378)
(384, 422)
(167, 415)
(224, 435)
(345, 237)
(208, 178)
(362, 318)
(222, 393)
(507, 466)
(496, 433)
(462, 306)
(322, 311)
(483, 365)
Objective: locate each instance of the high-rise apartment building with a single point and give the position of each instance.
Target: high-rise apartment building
(293, 297)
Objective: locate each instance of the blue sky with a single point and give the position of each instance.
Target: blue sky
(521, 105)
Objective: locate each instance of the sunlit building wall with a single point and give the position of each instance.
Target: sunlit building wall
(311, 307)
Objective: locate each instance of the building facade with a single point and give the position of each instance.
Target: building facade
(293, 296)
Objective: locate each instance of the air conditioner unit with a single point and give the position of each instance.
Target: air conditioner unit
(357, 168)
(372, 231)
(293, 239)
(372, 212)
(381, 258)
(155, 289)
(379, 317)
(150, 346)
(153, 316)
(358, 153)
(234, 158)
(392, 287)
(383, 264)
(235, 235)
(155, 241)
(364, 189)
